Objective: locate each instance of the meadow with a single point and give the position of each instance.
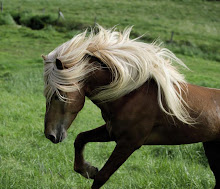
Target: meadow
(28, 159)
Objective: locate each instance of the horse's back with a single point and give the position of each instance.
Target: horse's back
(205, 101)
(204, 106)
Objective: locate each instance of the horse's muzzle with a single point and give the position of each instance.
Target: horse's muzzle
(56, 138)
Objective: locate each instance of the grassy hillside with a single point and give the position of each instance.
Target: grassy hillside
(27, 159)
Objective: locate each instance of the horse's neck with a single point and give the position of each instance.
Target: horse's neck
(195, 96)
(97, 78)
(123, 105)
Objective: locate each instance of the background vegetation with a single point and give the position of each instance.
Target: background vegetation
(31, 28)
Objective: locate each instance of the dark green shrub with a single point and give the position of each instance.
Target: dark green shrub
(35, 22)
(16, 18)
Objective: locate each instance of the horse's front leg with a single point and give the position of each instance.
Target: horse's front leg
(122, 151)
(99, 134)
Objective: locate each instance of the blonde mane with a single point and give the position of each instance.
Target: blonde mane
(131, 62)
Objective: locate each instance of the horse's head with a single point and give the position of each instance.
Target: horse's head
(61, 113)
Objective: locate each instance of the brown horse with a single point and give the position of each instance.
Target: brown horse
(143, 99)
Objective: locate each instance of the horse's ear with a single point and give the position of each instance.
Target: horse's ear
(43, 56)
(59, 64)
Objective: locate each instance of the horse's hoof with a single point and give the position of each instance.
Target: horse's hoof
(91, 171)
(88, 171)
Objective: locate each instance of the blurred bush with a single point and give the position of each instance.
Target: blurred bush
(6, 19)
(35, 22)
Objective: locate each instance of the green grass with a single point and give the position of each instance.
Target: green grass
(195, 23)
(29, 160)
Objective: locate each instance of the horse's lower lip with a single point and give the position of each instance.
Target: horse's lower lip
(56, 141)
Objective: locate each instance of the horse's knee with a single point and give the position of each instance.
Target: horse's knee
(79, 141)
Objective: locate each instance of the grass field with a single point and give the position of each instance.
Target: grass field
(28, 159)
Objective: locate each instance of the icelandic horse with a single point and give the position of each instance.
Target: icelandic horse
(143, 98)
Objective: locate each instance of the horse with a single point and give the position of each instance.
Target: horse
(143, 98)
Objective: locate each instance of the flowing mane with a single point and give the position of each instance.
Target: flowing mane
(131, 62)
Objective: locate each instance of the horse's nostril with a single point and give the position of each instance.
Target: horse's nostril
(56, 138)
(52, 138)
